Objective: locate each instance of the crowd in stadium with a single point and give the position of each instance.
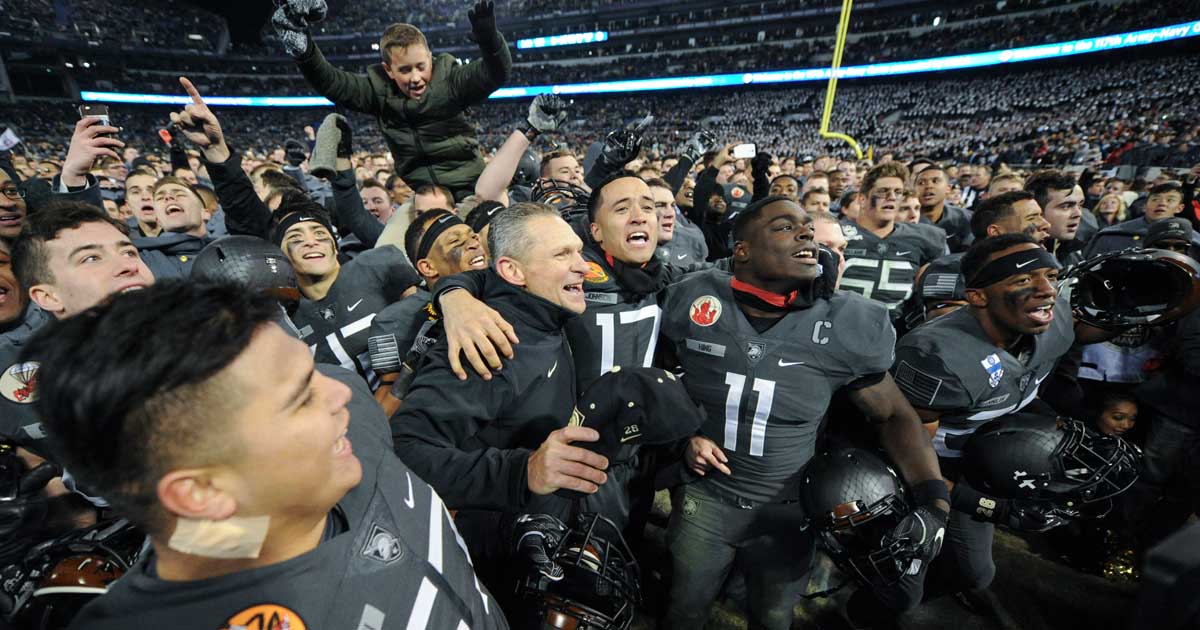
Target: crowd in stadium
(441, 360)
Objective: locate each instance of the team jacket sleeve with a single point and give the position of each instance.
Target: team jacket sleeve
(678, 173)
(473, 281)
(473, 82)
(706, 184)
(350, 210)
(437, 430)
(341, 87)
(89, 194)
(245, 213)
(926, 381)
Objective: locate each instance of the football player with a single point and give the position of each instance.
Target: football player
(932, 187)
(621, 324)
(439, 245)
(980, 362)
(883, 257)
(763, 351)
(269, 502)
(339, 301)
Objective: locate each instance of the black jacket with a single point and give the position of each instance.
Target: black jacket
(716, 229)
(1172, 392)
(472, 439)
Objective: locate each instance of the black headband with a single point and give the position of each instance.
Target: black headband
(435, 229)
(1024, 261)
(298, 217)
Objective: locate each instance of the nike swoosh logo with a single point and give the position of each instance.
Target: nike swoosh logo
(907, 251)
(783, 363)
(409, 501)
(552, 368)
(681, 256)
(1027, 262)
(353, 306)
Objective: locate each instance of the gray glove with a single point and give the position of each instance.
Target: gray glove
(291, 21)
(546, 113)
(700, 143)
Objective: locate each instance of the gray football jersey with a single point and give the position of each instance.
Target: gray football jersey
(406, 325)
(949, 365)
(764, 394)
(18, 384)
(617, 329)
(336, 326)
(885, 269)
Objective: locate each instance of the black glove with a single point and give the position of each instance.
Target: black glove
(295, 152)
(22, 516)
(536, 534)
(700, 143)
(1025, 515)
(761, 164)
(483, 24)
(546, 113)
(1032, 516)
(623, 145)
(345, 147)
(922, 531)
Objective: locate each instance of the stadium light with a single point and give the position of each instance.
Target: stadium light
(572, 39)
(936, 64)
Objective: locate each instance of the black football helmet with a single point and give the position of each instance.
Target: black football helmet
(1131, 287)
(59, 577)
(528, 169)
(567, 198)
(854, 501)
(250, 262)
(583, 577)
(1057, 460)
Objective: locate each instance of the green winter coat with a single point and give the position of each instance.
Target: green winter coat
(430, 138)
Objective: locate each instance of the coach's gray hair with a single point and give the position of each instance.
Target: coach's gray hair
(509, 235)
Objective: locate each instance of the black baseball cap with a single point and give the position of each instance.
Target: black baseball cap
(1169, 229)
(635, 406)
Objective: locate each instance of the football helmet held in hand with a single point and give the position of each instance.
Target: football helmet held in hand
(1132, 287)
(857, 506)
(582, 577)
(1056, 460)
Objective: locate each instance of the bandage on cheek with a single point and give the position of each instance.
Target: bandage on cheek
(234, 537)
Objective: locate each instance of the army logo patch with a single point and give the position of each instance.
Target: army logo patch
(706, 310)
(850, 232)
(381, 545)
(995, 371)
(595, 274)
(755, 351)
(690, 506)
(19, 383)
(265, 617)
